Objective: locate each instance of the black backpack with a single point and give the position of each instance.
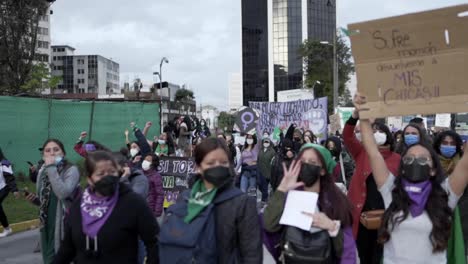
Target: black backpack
(299, 246)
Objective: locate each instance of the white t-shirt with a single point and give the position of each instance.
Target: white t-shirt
(410, 242)
(7, 169)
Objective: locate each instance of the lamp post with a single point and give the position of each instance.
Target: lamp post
(335, 71)
(313, 87)
(163, 60)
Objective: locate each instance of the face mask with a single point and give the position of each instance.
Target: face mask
(448, 151)
(416, 172)
(107, 185)
(358, 136)
(217, 176)
(411, 140)
(249, 141)
(334, 152)
(266, 145)
(162, 142)
(134, 152)
(297, 139)
(146, 165)
(58, 159)
(380, 138)
(90, 147)
(309, 174)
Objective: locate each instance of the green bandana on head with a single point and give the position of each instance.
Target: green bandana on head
(199, 199)
(330, 163)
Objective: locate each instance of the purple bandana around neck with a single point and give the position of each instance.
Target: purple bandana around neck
(418, 194)
(95, 211)
(90, 147)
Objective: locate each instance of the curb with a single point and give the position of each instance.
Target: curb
(23, 226)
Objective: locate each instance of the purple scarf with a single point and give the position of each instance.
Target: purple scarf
(418, 194)
(90, 147)
(95, 211)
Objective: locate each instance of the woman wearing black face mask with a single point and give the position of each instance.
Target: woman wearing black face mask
(284, 155)
(230, 233)
(105, 224)
(419, 202)
(311, 171)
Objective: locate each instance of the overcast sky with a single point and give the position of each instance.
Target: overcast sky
(201, 38)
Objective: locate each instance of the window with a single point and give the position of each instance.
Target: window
(42, 44)
(81, 61)
(44, 18)
(43, 31)
(81, 71)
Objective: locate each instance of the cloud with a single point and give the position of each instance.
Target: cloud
(201, 39)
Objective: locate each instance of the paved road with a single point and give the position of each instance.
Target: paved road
(18, 249)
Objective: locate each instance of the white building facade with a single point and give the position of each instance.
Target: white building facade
(85, 73)
(235, 91)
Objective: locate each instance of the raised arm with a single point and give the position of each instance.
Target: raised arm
(459, 177)
(145, 148)
(79, 145)
(352, 144)
(378, 165)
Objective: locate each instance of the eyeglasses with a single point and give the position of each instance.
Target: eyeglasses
(408, 160)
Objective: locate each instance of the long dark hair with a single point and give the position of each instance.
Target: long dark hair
(65, 162)
(254, 137)
(332, 201)
(458, 141)
(436, 206)
(384, 128)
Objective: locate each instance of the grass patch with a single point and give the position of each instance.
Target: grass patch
(19, 210)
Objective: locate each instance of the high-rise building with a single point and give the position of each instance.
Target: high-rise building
(235, 91)
(43, 49)
(272, 33)
(84, 73)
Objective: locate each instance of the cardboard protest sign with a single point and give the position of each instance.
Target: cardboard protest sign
(335, 123)
(175, 174)
(414, 63)
(306, 114)
(246, 120)
(443, 120)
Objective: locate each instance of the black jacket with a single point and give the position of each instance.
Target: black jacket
(238, 233)
(117, 239)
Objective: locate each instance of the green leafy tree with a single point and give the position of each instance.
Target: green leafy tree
(183, 96)
(318, 61)
(19, 20)
(40, 79)
(226, 121)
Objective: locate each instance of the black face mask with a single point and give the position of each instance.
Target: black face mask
(334, 152)
(218, 176)
(107, 185)
(416, 173)
(309, 174)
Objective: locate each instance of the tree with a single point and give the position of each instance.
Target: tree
(318, 61)
(226, 120)
(19, 20)
(183, 96)
(41, 78)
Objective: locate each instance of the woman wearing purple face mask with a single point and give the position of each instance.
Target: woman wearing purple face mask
(105, 223)
(84, 148)
(419, 202)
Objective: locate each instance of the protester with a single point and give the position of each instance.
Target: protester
(285, 155)
(204, 129)
(57, 184)
(419, 122)
(164, 145)
(265, 156)
(155, 192)
(249, 159)
(398, 137)
(311, 171)
(219, 222)
(82, 149)
(132, 176)
(345, 165)
(448, 145)
(417, 222)
(104, 225)
(363, 192)
(296, 138)
(141, 147)
(7, 185)
(184, 135)
(412, 134)
(309, 137)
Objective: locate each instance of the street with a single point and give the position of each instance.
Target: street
(18, 249)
